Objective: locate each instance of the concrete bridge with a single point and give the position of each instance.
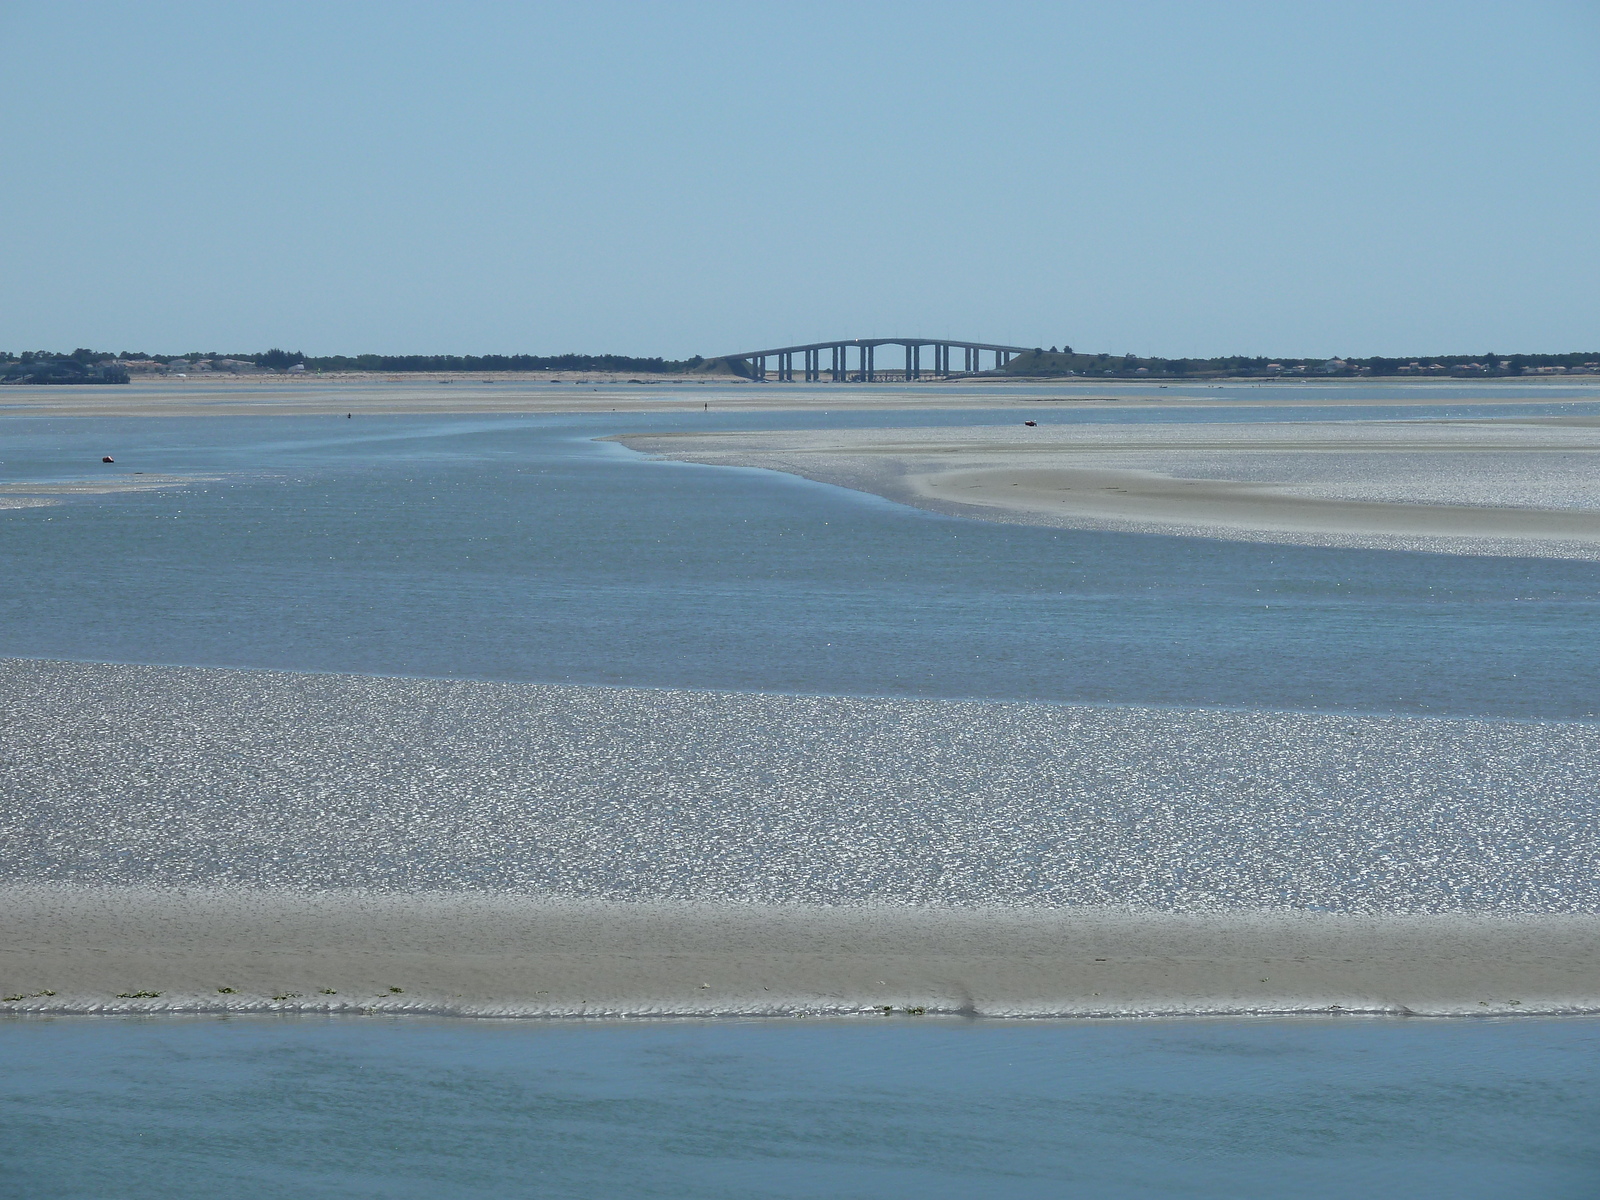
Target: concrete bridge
(754, 362)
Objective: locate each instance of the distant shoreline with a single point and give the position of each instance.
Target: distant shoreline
(373, 394)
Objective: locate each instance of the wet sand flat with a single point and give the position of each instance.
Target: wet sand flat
(558, 392)
(71, 950)
(1511, 486)
(203, 778)
(353, 844)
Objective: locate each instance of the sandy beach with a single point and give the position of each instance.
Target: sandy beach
(1515, 486)
(66, 950)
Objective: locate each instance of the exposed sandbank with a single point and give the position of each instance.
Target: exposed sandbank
(178, 831)
(205, 778)
(330, 395)
(68, 950)
(1525, 486)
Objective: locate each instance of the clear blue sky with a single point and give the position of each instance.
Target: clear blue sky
(466, 177)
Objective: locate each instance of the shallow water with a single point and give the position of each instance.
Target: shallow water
(519, 548)
(190, 1108)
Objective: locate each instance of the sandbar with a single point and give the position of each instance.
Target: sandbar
(1517, 486)
(334, 395)
(505, 849)
(73, 950)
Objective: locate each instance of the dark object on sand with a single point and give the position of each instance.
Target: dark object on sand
(108, 458)
(1030, 422)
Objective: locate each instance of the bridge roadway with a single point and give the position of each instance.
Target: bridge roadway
(865, 369)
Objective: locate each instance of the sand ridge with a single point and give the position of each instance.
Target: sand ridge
(95, 950)
(1520, 486)
(207, 394)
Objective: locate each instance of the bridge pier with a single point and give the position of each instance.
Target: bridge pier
(758, 364)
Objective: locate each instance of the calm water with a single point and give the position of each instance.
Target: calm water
(519, 548)
(188, 1108)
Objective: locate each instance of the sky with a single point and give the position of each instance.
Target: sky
(1159, 178)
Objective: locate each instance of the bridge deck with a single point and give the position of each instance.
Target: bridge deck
(875, 342)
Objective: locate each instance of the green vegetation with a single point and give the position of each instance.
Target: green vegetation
(81, 366)
(489, 362)
(279, 360)
(103, 366)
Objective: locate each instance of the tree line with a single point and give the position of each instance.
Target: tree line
(1066, 361)
(282, 360)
